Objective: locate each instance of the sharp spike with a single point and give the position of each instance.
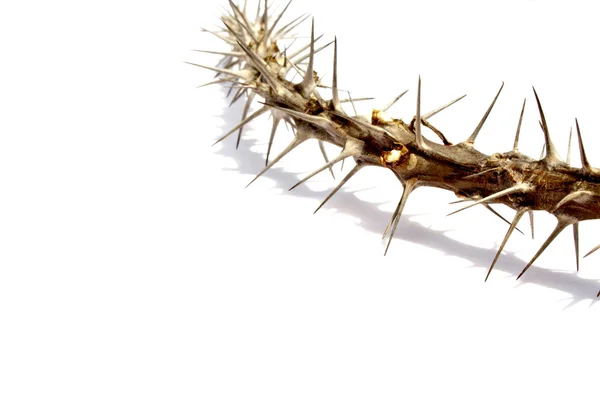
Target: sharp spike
(265, 17)
(513, 225)
(324, 153)
(516, 144)
(584, 161)
(270, 31)
(391, 103)
(308, 83)
(322, 168)
(276, 121)
(221, 53)
(576, 243)
(356, 99)
(291, 25)
(244, 113)
(352, 147)
(223, 38)
(240, 92)
(305, 56)
(242, 21)
(551, 153)
(592, 251)
(519, 187)
(473, 136)
(418, 135)
(295, 142)
(409, 187)
(496, 213)
(334, 91)
(352, 103)
(257, 113)
(354, 170)
(531, 223)
(302, 49)
(561, 224)
(442, 108)
(243, 74)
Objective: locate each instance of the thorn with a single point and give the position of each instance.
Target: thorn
(276, 121)
(244, 113)
(552, 156)
(496, 213)
(576, 243)
(221, 53)
(513, 225)
(418, 136)
(294, 143)
(324, 153)
(519, 187)
(592, 251)
(352, 147)
(302, 49)
(270, 31)
(391, 103)
(409, 186)
(531, 223)
(585, 165)
(335, 101)
(308, 83)
(516, 144)
(442, 108)
(354, 170)
(471, 139)
(291, 25)
(257, 113)
(243, 74)
(356, 99)
(561, 224)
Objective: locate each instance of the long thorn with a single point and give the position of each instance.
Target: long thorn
(516, 144)
(561, 224)
(513, 225)
(354, 170)
(409, 186)
(473, 136)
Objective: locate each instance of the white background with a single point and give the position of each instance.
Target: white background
(134, 264)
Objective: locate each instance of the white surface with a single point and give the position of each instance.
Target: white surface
(134, 265)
